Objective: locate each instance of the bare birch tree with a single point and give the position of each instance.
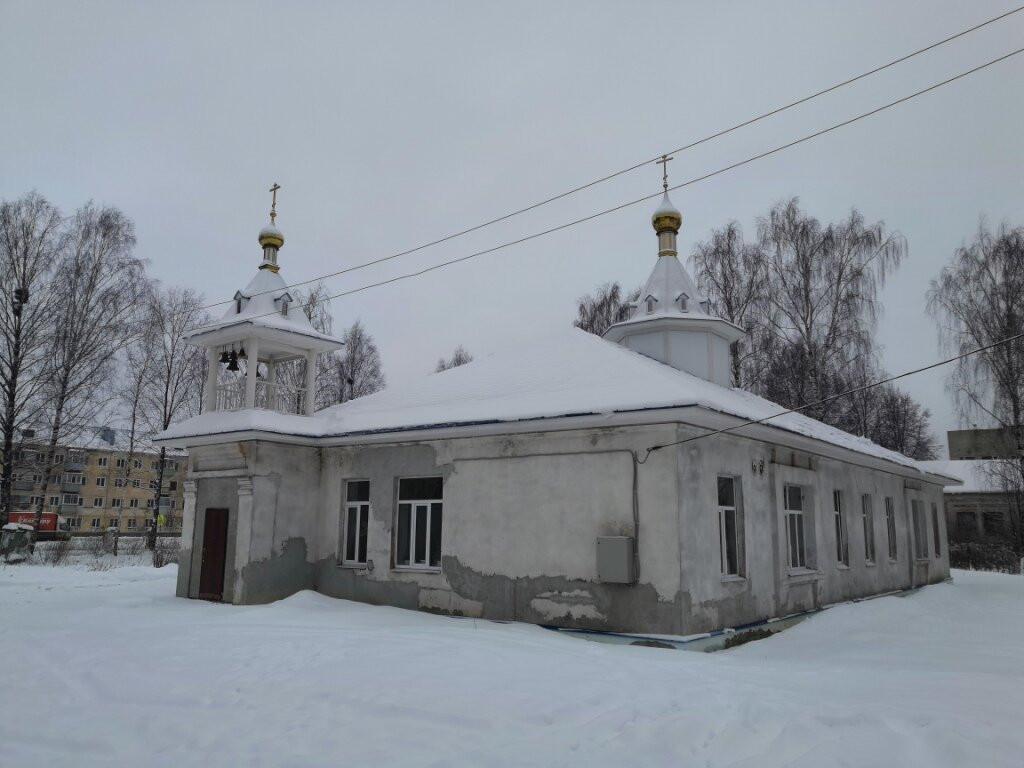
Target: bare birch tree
(978, 300)
(30, 237)
(732, 274)
(97, 285)
(460, 356)
(359, 371)
(173, 390)
(607, 306)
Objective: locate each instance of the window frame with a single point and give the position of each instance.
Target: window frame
(890, 528)
(841, 531)
(795, 530)
(738, 530)
(362, 510)
(936, 542)
(414, 504)
(867, 516)
(919, 523)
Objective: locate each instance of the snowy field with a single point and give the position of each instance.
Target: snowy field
(107, 668)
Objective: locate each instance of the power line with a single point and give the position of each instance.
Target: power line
(848, 392)
(615, 174)
(688, 183)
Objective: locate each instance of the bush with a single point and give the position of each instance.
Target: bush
(984, 555)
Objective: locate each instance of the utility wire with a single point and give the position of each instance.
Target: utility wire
(641, 164)
(848, 392)
(692, 181)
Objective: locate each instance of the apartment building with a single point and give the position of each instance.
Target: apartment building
(101, 481)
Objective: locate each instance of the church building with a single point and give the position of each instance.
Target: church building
(574, 481)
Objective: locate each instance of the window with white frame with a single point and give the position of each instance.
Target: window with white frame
(97, 501)
(137, 463)
(55, 501)
(114, 523)
(890, 527)
(120, 482)
(730, 526)
(935, 530)
(58, 458)
(420, 511)
(115, 503)
(842, 542)
(71, 498)
(920, 530)
(136, 483)
(101, 482)
(355, 522)
(867, 515)
(793, 507)
(121, 463)
(133, 503)
(94, 523)
(131, 522)
(102, 461)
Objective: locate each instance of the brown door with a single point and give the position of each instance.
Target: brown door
(215, 545)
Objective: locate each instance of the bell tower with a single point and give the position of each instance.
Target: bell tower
(260, 331)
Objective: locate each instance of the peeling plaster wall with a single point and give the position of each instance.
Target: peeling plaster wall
(520, 529)
(522, 515)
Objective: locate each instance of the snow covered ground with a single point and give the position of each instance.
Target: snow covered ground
(108, 668)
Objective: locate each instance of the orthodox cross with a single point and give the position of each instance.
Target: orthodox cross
(664, 170)
(273, 202)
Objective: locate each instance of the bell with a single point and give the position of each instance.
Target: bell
(224, 356)
(241, 354)
(233, 362)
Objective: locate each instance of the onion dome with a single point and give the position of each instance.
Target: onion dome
(667, 216)
(271, 236)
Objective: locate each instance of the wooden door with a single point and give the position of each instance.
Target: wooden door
(215, 545)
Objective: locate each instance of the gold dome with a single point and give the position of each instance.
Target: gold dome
(271, 236)
(667, 217)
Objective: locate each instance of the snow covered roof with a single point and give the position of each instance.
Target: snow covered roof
(566, 373)
(261, 308)
(977, 475)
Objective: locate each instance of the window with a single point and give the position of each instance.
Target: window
(130, 524)
(94, 523)
(122, 463)
(173, 485)
(730, 527)
(136, 483)
(683, 299)
(58, 458)
(74, 479)
(74, 523)
(55, 501)
(890, 527)
(793, 503)
(154, 465)
(920, 530)
(419, 522)
(935, 530)
(651, 301)
(149, 503)
(97, 501)
(149, 522)
(115, 503)
(842, 544)
(284, 307)
(868, 518)
(71, 498)
(966, 524)
(120, 482)
(114, 523)
(37, 500)
(355, 522)
(102, 461)
(137, 463)
(37, 478)
(101, 482)
(133, 503)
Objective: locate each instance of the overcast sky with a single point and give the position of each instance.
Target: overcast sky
(391, 124)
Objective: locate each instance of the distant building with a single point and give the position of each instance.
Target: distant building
(982, 444)
(99, 482)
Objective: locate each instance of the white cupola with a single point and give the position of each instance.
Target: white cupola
(259, 331)
(671, 321)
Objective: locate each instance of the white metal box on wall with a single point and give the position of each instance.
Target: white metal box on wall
(615, 561)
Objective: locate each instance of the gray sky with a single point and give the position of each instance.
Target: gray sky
(391, 124)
